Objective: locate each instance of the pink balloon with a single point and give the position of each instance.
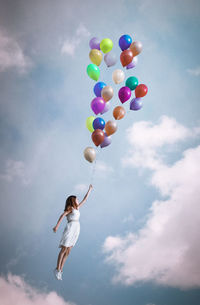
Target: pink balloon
(98, 105)
(124, 94)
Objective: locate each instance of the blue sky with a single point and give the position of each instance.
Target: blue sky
(139, 238)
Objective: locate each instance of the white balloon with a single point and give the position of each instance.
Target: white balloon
(90, 154)
(118, 76)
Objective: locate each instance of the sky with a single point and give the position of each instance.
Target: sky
(139, 236)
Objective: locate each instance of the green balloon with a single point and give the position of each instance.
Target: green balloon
(106, 45)
(89, 123)
(132, 82)
(93, 71)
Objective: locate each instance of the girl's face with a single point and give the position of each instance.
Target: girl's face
(77, 202)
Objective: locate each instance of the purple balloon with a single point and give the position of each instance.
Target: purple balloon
(95, 43)
(132, 64)
(110, 59)
(106, 108)
(107, 141)
(98, 105)
(124, 94)
(136, 104)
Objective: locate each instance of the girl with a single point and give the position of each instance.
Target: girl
(71, 231)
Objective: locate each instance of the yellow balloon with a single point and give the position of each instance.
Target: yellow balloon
(96, 56)
(89, 123)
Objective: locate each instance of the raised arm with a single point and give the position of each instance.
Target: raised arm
(86, 196)
(60, 219)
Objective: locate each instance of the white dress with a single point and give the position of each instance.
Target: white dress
(72, 229)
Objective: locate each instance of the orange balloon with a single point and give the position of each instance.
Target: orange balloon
(126, 57)
(136, 47)
(110, 127)
(119, 112)
(98, 136)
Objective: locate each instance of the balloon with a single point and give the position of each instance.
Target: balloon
(98, 87)
(132, 82)
(90, 154)
(106, 45)
(136, 48)
(107, 141)
(110, 127)
(93, 71)
(89, 123)
(136, 104)
(124, 94)
(95, 43)
(141, 90)
(106, 108)
(98, 136)
(107, 93)
(98, 105)
(119, 112)
(98, 123)
(96, 56)
(133, 63)
(110, 59)
(124, 42)
(126, 57)
(118, 76)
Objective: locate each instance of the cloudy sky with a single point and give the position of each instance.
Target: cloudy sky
(139, 239)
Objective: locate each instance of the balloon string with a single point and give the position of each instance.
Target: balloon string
(94, 168)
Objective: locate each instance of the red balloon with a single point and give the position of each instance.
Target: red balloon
(126, 57)
(98, 136)
(141, 90)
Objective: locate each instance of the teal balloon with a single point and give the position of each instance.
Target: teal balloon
(132, 82)
(93, 71)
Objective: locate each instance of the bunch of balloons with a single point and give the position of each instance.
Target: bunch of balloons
(101, 130)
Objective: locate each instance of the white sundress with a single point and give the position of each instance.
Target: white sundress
(72, 229)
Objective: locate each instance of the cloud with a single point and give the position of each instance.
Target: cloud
(12, 55)
(14, 290)
(128, 218)
(15, 170)
(147, 139)
(103, 168)
(166, 250)
(81, 187)
(70, 45)
(195, 71)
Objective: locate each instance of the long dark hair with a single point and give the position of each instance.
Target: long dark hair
(70, 202)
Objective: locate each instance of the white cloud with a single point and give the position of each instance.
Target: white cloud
(12, 55)
(15, 170)
(128, 218)
(146, 139)
(103, 168)
(166, 250)
(81, 187)
(70, 45)
(195, 71)
(14, 290)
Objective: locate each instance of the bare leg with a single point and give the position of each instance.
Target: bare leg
(60, 257)
(65, 257)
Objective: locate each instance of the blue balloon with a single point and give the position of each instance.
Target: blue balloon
(124, 42)
(98, 123)
(98, 87)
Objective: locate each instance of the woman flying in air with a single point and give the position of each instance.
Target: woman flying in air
(71, 231)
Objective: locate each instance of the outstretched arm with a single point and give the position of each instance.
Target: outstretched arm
(86, 196)
(59, 220)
